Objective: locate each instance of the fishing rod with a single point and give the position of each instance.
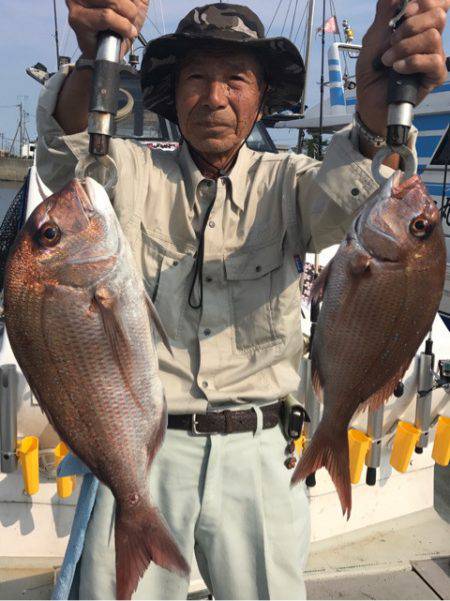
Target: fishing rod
(422, 419)
(312, 406)
(8, 419)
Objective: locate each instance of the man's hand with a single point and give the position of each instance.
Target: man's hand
(88, 17)
(415, 47)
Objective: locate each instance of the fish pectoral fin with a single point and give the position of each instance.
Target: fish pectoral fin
(156, 320)
(320, 283)
(360, 263)
(111, 322)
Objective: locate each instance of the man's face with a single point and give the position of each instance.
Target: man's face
(218, 97)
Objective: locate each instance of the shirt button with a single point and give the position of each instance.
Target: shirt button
(212, 224)
(355, 192)
(175, 263)
(209, 183)
(205, 384)
(206, 331)
(258, 268)
(209, 279)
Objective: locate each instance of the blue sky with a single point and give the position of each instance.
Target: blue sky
(27, 37)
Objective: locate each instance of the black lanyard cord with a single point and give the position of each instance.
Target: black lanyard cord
(198, 267)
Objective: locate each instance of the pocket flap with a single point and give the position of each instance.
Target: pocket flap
(253, 264)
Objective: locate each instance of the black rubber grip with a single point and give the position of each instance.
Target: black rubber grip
(311, 480)
(371, 476)
(403, 88)
(105, 87)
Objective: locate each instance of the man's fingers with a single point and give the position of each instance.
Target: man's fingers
(432, 66)
(100, 19)
(432, 19)
(124, 8)
(420, 6)
(428, 42)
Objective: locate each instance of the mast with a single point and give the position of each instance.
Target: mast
(56, 34)
(322, 84)
(308, 53)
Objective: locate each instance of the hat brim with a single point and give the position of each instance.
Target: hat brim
(280, 58)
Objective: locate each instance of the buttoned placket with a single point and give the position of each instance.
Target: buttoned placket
(214, 311)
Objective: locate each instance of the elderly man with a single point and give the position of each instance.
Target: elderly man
(218, 232)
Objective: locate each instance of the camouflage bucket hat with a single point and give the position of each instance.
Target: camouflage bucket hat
(224, 24)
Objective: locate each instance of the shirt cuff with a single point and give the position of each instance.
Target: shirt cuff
(346, 175)
(57, 153)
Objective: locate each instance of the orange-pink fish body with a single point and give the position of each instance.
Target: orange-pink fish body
(81, 328)
(380, 294)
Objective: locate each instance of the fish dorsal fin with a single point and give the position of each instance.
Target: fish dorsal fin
(155, 319)
(320, 283)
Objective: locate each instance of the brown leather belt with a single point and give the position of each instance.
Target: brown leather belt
(225, 422)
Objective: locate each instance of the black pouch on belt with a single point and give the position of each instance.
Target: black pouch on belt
(293, 416)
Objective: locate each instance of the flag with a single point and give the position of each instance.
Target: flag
(331, 26)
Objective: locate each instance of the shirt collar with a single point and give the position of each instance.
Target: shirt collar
(237, 176)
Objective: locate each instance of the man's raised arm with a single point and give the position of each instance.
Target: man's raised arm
(87, 18)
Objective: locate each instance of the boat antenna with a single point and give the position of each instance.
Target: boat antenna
(322, 84)
(56, 34)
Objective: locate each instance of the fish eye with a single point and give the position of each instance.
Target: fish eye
(49, 234)
(420, 227)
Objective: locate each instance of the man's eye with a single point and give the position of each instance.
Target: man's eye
(195, 76)
(237, 78)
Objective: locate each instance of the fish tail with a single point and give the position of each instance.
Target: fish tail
(328, 448)
(142, 536)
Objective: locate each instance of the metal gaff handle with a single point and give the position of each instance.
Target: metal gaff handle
(401, 98)
(105, 91)
(102, 109)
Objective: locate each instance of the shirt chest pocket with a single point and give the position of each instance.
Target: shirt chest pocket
(166, 273)
(250, 276)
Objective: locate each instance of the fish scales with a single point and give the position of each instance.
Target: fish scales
(78, 321)
(380, 295)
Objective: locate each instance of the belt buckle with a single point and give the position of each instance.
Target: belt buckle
(194, 430)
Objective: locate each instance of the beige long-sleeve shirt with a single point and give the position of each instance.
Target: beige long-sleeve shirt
(244, 344)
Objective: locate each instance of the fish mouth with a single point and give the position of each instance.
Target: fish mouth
(361, 226)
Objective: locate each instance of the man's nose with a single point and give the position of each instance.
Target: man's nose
(216, 95)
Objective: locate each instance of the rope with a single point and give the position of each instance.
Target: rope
(293, 20)
(274, 16)
(287, 14)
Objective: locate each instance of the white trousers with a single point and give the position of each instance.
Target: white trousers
(226, 498)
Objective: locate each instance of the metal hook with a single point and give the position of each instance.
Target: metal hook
(101, 168)
(408, 157)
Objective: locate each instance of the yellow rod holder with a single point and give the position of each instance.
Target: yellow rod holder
(405, 442)
(28, 451)
(300, 444)
(358, 445)
(65, 485)
(441, 447)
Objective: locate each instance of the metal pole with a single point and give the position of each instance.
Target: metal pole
(56, 34)
(322, 84)
(308, 53)
(20, 130)
(444, 185)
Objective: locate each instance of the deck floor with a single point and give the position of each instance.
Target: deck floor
(408, 558)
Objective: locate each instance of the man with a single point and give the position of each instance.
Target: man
(216, 230)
